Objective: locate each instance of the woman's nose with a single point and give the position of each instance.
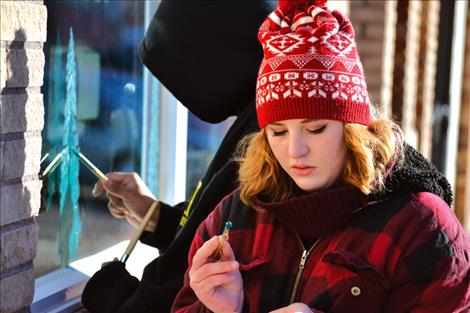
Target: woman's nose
(297, 146)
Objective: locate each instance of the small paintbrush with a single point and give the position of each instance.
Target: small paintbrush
(221, 238)
(99, 174)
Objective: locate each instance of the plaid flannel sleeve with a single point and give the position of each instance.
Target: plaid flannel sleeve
(433, 274)
(186, 300)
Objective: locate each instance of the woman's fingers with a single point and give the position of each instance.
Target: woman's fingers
(134, 221)
(218, 284)
(115, 179)
(123, 185)
(201, 269)
(97, 189)
(212, 269)
(208, 249)
(296, 307)
(213, 281)
(116, 201)
(116, 211)
(205, 252)
(227, 251)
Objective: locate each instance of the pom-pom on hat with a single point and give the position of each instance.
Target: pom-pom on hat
(311, 67)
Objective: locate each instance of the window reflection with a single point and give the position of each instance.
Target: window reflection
(109, 111)
(203, 142)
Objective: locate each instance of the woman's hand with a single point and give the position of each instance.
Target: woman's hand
(128, 197)
(294, 308)
(218, 285)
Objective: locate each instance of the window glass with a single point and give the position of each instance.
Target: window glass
(109, 118)
(203, 142)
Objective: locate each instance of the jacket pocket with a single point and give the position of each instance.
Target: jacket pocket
(246, 266)
(355, 283)
(357, 265)
(253, 270)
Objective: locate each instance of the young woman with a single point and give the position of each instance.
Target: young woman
(334, 212)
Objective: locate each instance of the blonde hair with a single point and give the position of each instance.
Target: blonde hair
(371, 150)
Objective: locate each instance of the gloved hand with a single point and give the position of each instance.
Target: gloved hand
(109, 288)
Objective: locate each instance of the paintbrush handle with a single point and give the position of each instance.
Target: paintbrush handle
(218, 252)
(135, 237)
(221, 238)
(53, 164)
(101, 176)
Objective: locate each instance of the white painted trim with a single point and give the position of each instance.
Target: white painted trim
(455, 89)
(181, 152)
(173, 143)
(173, 129)
(148, 80)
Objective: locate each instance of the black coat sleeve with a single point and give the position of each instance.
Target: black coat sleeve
(167, 227)
(113, 290)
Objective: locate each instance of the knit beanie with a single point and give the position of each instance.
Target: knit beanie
(311, 67)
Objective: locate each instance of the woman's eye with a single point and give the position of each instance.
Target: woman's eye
(318, 130)
(279, 133)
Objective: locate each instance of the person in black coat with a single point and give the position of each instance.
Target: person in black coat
(215, 79)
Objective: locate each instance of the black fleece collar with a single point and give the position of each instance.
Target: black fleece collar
(415, 174)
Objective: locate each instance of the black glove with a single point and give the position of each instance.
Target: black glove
(109, 288)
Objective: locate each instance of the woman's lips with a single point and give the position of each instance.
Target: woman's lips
(302, 170)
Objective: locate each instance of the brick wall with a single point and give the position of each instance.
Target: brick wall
(427, 75)
(409, 61)
(411, 68)
(399, 39)
(23, 32)
(388, 57)
(368, 17)
(462, 190)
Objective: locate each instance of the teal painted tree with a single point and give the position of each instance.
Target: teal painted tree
(70, 225)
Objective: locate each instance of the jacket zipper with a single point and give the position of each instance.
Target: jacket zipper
(303, 259)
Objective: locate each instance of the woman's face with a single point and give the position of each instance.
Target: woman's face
(312, 152)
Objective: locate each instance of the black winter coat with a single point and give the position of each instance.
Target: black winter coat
(207, 54)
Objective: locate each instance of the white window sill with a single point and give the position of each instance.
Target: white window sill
(60, 291)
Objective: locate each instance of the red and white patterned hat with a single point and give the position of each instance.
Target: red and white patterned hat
(311, 67)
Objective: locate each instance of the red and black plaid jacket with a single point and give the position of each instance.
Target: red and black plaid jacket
(404, 254)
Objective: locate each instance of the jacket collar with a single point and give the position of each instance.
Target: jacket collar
(319, 213)
(415, 174)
